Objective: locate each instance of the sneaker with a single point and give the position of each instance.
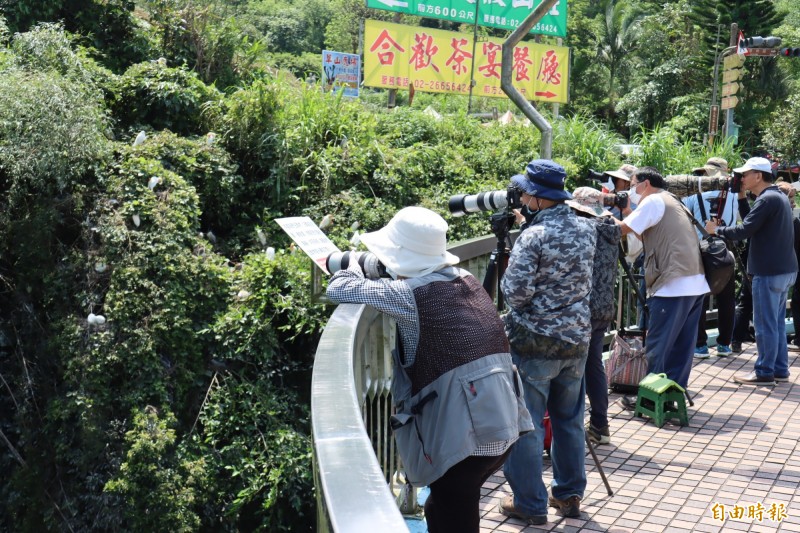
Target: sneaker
(782, 379)
(723, 350)
(569, 508)
(506, 508)
(598, 436)
(753, 379)
(629, 402)
(736, 346)
(701, 352)
(793, 347)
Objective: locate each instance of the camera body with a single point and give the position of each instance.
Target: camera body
(461, 204)
(368, 262)
(619, 199)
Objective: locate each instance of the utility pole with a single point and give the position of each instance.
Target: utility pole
(474, 46)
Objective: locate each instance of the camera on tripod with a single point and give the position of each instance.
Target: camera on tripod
(368, 262)
(461, 204)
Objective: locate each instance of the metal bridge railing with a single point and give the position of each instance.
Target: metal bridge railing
(357, 474)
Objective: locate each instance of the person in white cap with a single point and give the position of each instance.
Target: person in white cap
(457, 397)
(772, 264)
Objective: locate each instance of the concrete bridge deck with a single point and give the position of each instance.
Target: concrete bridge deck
(736, 467)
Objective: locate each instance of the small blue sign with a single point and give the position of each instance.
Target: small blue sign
(341, 71)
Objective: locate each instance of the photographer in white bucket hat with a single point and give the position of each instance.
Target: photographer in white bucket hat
(457, 412)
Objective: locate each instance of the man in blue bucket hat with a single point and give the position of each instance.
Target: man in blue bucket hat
(547, 285)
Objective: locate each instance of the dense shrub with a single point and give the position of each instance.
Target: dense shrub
(162, 97)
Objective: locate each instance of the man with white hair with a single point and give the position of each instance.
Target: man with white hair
(771, 262)
(457, 397)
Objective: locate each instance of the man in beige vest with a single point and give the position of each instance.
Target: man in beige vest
(674, 274)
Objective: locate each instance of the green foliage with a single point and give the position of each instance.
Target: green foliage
(51, 135)
(161, 97)
(204, 164)
(202, 37)
(300, 65)
(258, 456)
(108, 26)
(587, 144)
(158, 487)
(782, 134)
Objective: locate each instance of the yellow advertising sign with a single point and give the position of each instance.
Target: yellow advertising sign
(396, 56)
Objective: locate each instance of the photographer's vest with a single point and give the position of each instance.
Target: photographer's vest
(670, 247)
(462, 391)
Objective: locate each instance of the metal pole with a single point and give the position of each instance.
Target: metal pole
(728, 131)
(472, 66)
(546, 149)
(712, 127)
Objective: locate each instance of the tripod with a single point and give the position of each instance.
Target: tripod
(501, 223)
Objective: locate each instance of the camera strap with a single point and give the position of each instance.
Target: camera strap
(701, 203)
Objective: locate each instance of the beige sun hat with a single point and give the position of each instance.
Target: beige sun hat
(413, 243)
(624, 172)
(589, 201)
(714, 167)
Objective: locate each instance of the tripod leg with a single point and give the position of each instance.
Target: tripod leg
(597, 464)
(689, 398)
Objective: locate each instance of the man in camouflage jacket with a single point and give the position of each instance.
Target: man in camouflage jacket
(547, 286)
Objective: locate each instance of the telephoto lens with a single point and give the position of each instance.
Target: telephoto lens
(461, 204)
(687, 185)
(370, 266)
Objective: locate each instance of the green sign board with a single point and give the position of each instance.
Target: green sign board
(505, 14)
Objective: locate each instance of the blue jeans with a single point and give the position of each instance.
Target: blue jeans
(555, 385)
(769, 318)
(670, 341)
(596, 382)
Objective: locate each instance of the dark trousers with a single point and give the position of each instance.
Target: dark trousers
(452, 505)
(726, 308)
(743, 314)
(595, 377)
(795, 307)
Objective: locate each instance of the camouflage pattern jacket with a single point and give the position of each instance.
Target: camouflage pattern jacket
(604, 271)
(549, 276)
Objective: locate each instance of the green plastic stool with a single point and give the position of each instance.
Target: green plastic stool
(656, 394)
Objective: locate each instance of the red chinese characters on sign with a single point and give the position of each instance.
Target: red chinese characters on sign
(522, 60)
(548, 69)
(385, 43)
(423, 52)
(456, 60)
(490, 50)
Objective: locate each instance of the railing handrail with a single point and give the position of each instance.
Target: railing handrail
(357, 497)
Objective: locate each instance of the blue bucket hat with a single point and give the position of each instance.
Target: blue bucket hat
(544, 179)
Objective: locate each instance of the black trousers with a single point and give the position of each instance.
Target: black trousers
(452, 505)
(726, 308)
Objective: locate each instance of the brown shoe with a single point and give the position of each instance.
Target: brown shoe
(570, 508)
(507, 508)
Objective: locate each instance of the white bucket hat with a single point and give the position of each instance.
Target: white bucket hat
(413, 243)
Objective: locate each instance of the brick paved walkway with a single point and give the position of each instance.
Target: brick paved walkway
(740, 449)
